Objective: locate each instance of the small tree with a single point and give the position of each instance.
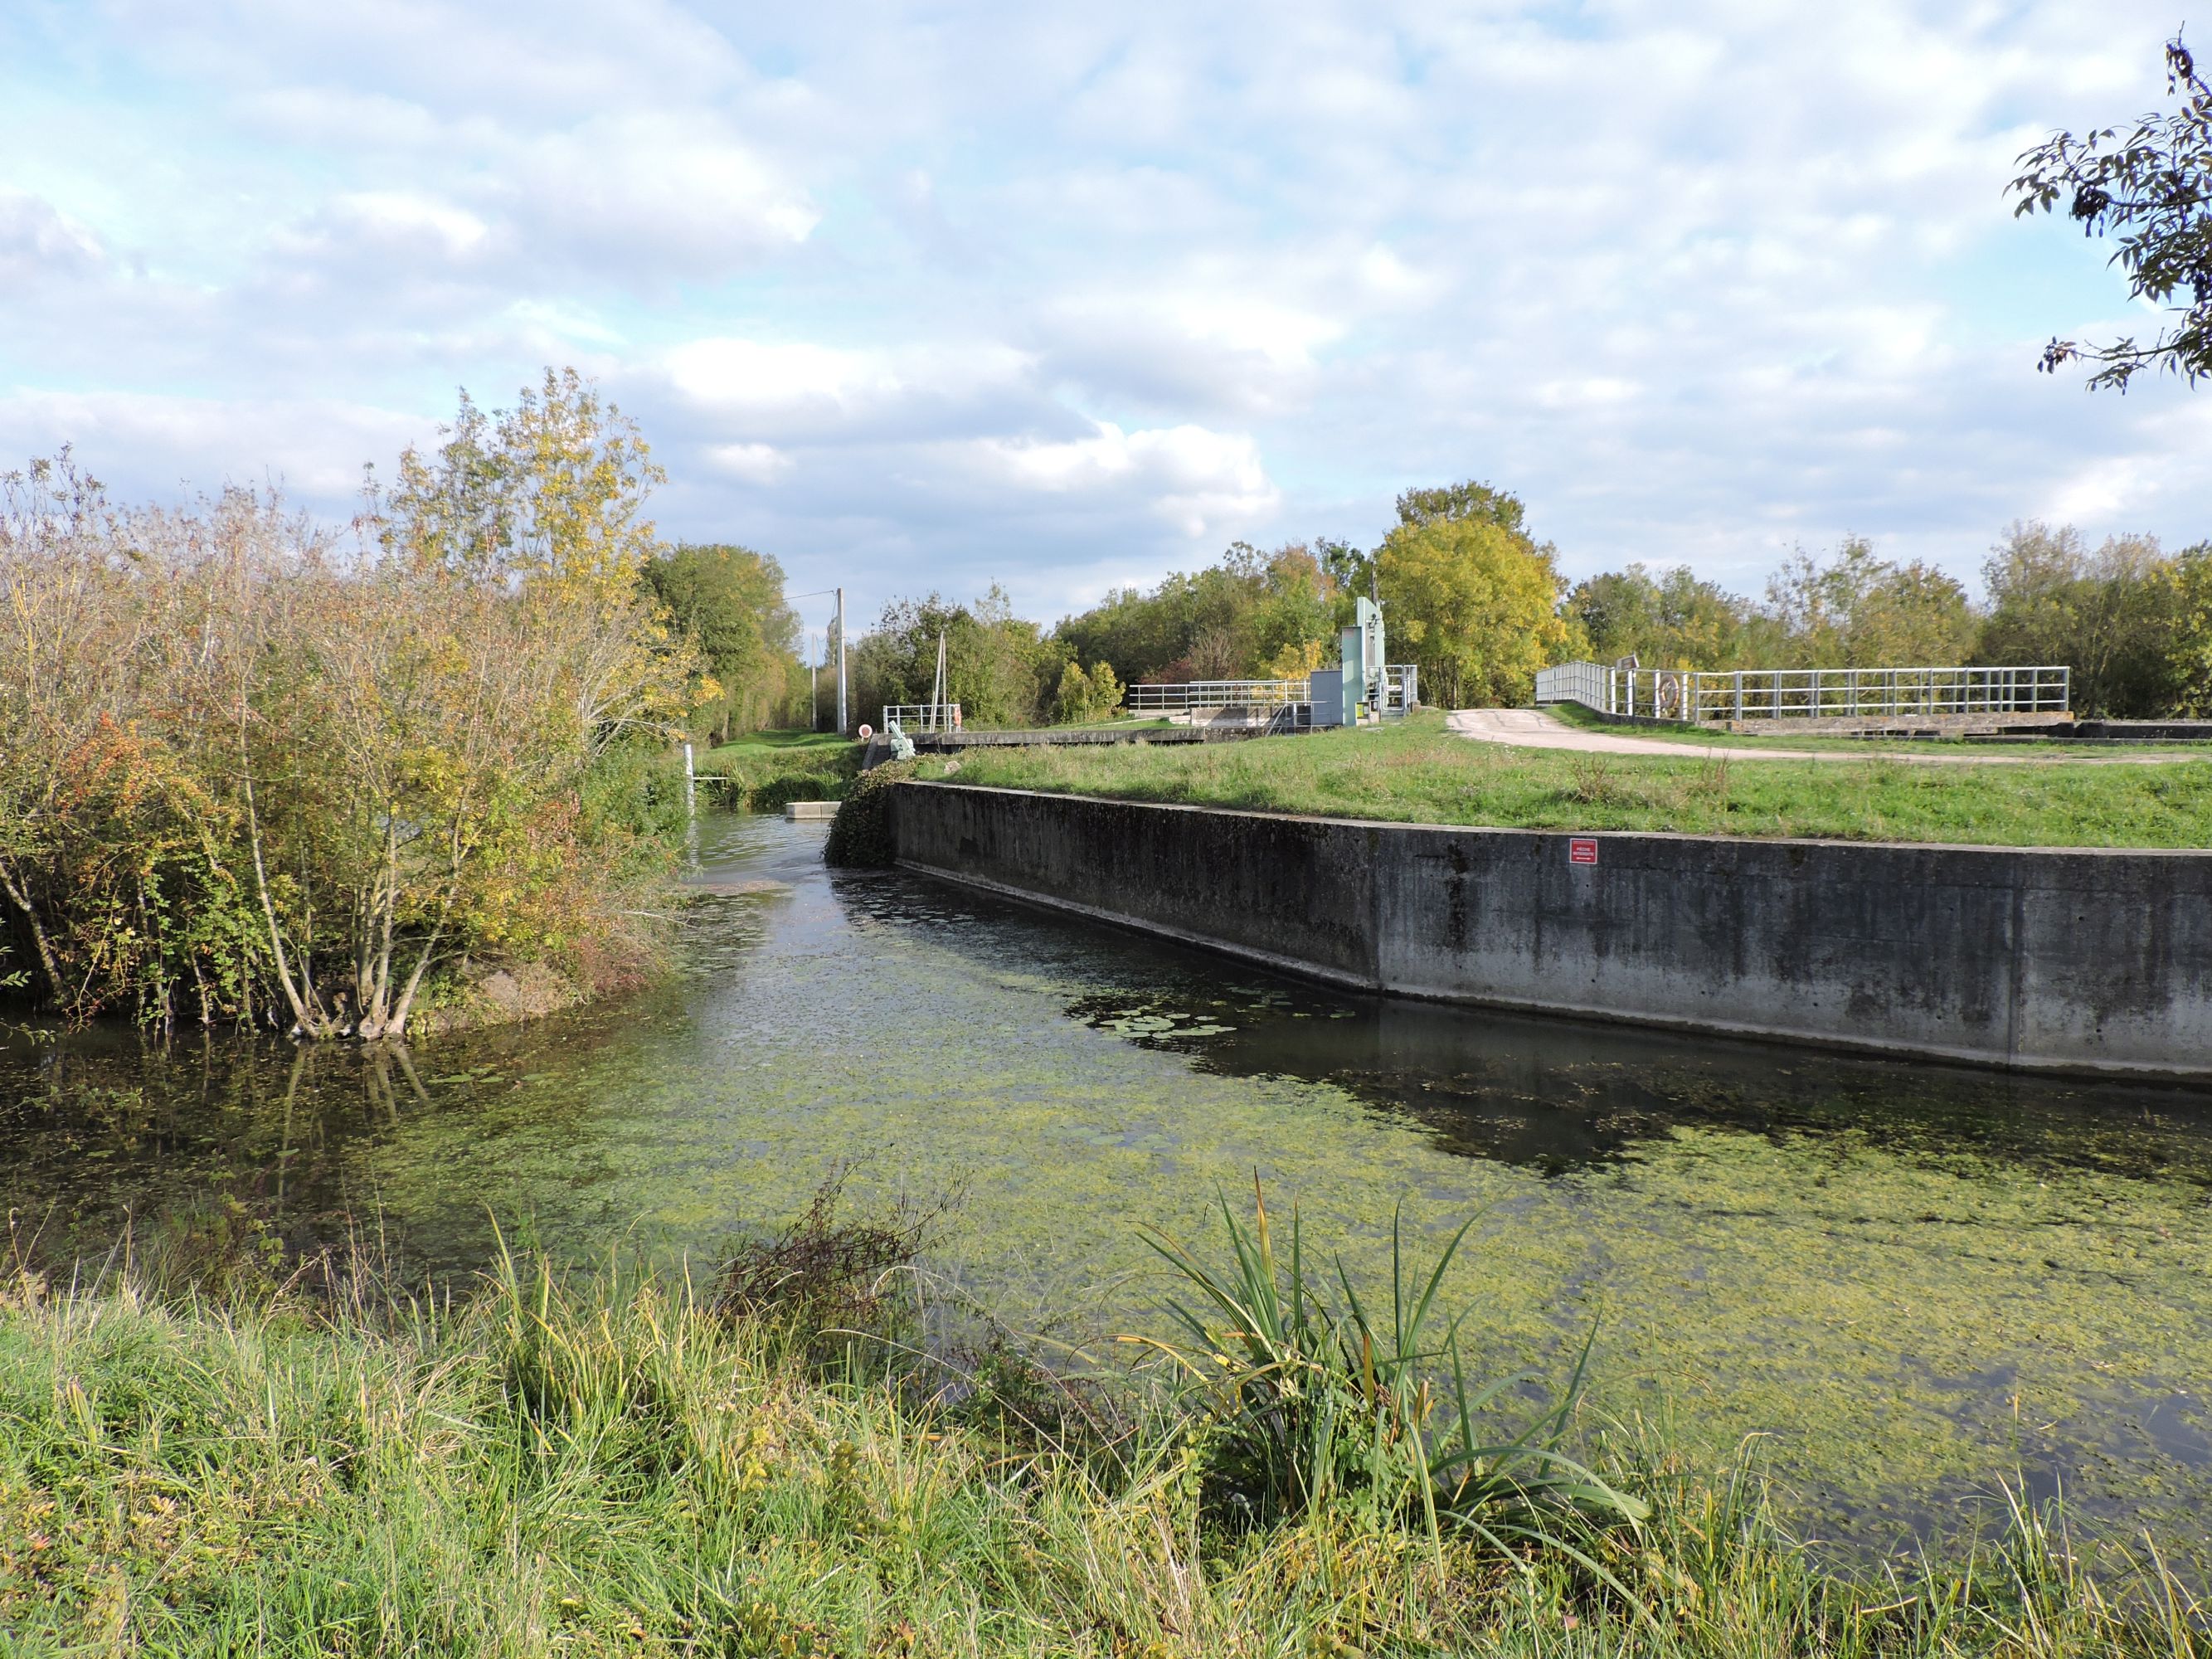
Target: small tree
(1469, 499)
(1084, 697)
(2189, 654)
(729, 600)
(1477, 603)
(1854, 610)
(2152, 191)
(1669, 619)
(2112, 616)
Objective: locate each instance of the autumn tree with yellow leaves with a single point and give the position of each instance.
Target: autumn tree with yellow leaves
(1470, 596)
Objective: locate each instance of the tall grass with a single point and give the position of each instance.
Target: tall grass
(1315, 1401)
(602, 1463)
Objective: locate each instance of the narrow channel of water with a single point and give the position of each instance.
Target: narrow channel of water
(1908, 1282)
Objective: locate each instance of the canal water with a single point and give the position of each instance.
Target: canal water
(1894, 1286)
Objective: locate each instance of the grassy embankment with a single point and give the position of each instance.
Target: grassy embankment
(1709, 736)
(1417, 772)
(592, 1466)
(767, 769)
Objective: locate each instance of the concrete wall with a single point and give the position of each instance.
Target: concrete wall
(2085, 960)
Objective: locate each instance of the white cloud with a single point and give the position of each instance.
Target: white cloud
(755, 464)
(408, 223)
(36, 240)
(834, 394)
(1214, 339)
(762, 380)
(677, 187)
(1197, 480)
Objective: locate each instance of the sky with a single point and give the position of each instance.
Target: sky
(1062, 297)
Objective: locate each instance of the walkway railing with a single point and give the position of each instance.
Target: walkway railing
(1402, 683)
(913, 717)
(1691, 695)
(1182, 697)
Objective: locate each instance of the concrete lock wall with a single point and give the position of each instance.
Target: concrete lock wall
(2057, 958)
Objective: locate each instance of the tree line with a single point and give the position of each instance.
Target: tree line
(1468, 594)
(1471, 596)
(1479, 604)
(2132, 622)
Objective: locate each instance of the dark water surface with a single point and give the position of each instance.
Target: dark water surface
(1909, 1282)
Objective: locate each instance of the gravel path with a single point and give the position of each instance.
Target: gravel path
(1535, 728)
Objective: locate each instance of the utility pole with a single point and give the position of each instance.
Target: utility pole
(842, 727)
(813, 693)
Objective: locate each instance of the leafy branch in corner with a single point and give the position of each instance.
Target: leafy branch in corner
(2149, 191)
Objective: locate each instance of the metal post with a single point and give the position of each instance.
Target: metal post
(813, 690)
(841, 662)
(690, 781)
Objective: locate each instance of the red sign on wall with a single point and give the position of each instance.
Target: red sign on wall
(1582, 850)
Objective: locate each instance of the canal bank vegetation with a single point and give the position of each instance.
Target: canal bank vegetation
(603, 1463)
(255, 771)
(764, 771)
(1415, 771)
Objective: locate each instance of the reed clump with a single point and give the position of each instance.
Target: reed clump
(610, 1463)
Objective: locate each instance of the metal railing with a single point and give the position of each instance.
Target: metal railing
(1585, 682)
(913, 717)
(1691, 695)
(1180, 697)
(1261, 698)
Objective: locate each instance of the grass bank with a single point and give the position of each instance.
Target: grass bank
(1708, 736)
(762, 771)
(1416, 772)
(595, 1465)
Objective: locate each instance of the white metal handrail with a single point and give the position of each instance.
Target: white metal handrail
(1401, 682)
(1693, 695)
(922, 716)
(1181, 696)
(1401, 689)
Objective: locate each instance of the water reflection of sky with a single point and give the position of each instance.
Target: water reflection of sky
(1914, 1281)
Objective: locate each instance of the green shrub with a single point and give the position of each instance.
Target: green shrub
(861, 836)
(767, 772)
(773, 794)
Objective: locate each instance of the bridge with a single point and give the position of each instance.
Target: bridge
(1885, 702)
